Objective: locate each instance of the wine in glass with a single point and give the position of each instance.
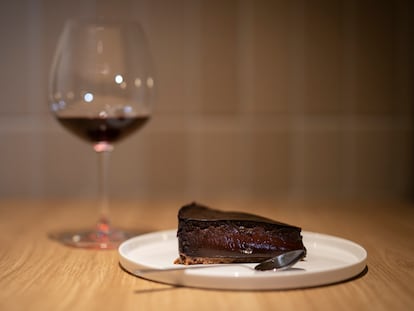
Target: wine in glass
(101, 87)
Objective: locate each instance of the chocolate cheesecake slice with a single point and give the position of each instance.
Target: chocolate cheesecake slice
(209, 236)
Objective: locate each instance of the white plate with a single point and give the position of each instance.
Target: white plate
(329, 260)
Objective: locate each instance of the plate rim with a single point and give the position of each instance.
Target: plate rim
(288, 280)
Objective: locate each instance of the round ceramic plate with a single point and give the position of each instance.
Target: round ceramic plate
(329, 260)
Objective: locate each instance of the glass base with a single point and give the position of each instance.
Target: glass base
(94, 239)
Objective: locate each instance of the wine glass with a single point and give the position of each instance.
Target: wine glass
(101, 87)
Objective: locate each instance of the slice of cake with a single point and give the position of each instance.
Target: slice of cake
(207, 236)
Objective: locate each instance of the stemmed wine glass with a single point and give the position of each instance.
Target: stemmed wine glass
(101, 87)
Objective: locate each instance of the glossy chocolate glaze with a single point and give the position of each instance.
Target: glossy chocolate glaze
(206, 235)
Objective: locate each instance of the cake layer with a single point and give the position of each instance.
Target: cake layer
(206, 235)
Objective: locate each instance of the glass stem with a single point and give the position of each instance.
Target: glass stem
(104, 152)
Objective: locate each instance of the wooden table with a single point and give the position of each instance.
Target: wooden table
(37, 273)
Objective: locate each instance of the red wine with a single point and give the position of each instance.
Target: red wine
(103, 129)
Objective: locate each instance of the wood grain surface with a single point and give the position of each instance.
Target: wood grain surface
(38, 273)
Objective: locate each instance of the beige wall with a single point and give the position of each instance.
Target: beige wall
(280, 99)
